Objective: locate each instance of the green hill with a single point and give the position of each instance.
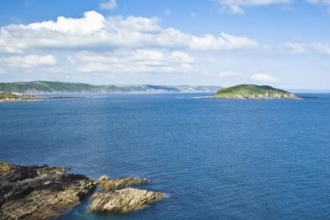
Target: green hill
(250, 91)
(44, 86)
(64, 87)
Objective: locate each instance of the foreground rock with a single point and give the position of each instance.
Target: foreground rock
(124, 200)
(109, 184)
(39, 192)
(43, 192)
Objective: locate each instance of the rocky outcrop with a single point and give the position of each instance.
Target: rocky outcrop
(115, 184)
(118, 198)
(40, 192)
(43, 192)
(124, 200)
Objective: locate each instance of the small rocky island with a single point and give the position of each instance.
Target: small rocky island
(250, 91)
(43, 192)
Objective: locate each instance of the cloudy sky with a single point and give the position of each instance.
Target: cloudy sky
(284, 43)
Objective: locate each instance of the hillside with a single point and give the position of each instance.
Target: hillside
(250, 91)
(64, 87)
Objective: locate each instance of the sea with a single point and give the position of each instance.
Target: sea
(214, 158)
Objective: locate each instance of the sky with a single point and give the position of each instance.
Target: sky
(282, 43)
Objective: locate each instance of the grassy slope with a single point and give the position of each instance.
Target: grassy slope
(247, 89)
(43, 86)
(46, 86)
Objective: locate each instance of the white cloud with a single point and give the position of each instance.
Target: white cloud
(30, 61)
(322, 48)
(89, 24)
(2, 71)
(304, 48)
(138, 25)
(93, 31)
(135, 61)
(320, 2)
(182, 57)
(71, 60)
(225, 42)
(236, 6)
(264, 78)
(109, 5)
(296, 47)
(64, 33)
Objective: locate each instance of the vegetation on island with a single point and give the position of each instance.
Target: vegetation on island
(250, 91)
(65, 87)
(8, 96)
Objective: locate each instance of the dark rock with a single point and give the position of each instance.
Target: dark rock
(43, 192)
(39, 192)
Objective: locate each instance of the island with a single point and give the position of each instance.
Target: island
(251, 91)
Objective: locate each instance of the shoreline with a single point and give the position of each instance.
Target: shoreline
(20, 100)
(250, 98)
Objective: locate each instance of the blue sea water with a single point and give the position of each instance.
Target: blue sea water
(215, 159)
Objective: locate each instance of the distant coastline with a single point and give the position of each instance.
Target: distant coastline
(37, 87)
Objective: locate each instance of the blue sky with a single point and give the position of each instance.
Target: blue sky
(283, 43)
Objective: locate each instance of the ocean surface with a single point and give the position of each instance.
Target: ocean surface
(215, 159)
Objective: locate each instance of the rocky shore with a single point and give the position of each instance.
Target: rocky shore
(259, 96)
(118, 198)
(44, 192)
(124, 200)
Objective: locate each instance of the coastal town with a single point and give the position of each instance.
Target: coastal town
(15, 96)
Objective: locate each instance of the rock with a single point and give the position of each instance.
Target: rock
(39, 192)
(118, 198)
(124, 200)
(43, 192)
(109, 184)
